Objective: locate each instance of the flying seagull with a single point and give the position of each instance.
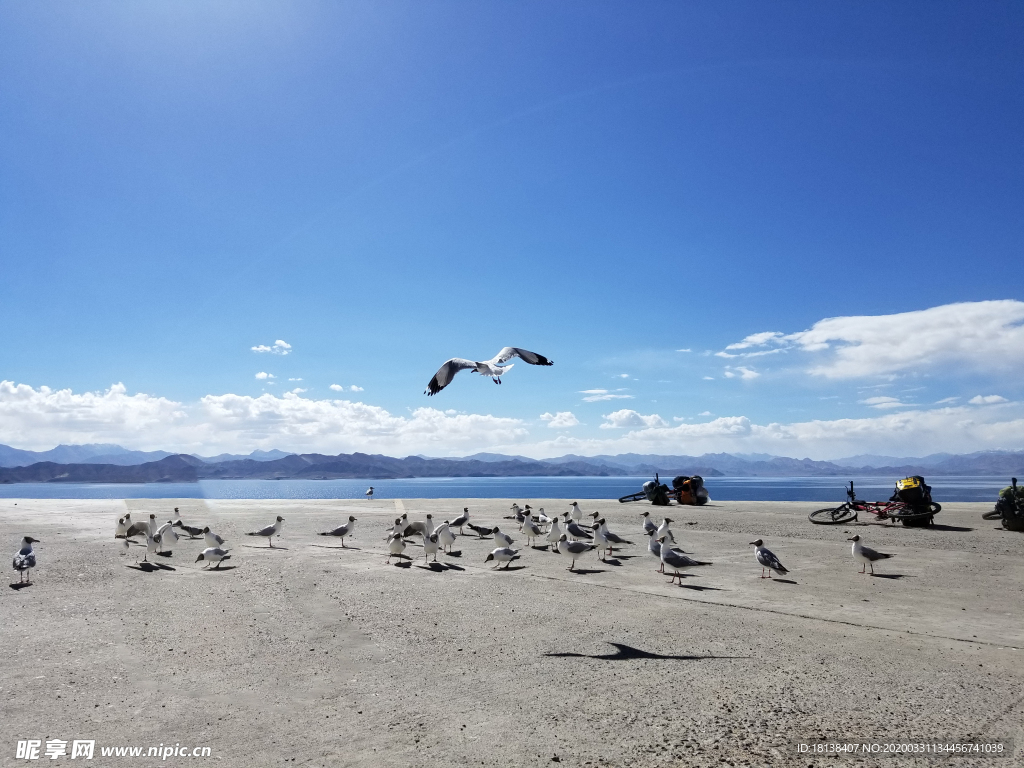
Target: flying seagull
(25, 559)
(767, 559)
(866, 555)
(494, 367)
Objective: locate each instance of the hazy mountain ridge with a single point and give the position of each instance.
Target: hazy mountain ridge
(114, 464)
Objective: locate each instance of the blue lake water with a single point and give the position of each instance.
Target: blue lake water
(824, 489)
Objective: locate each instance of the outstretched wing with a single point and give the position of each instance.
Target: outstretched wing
(525, 355)
(446, 373)
(768, 559)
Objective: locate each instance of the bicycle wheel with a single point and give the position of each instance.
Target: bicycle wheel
(633, 497)
(917, 516)
(833, 515)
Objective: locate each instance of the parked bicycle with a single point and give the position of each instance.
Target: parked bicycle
(911, 513)
(1009, 507)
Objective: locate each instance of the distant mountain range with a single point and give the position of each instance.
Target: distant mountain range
(101, 463)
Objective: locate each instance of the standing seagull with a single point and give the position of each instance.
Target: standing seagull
(502, 555)
(573, 549)
(25, 560)
(461, 520)
(554, 534)
(574, 530)
(342, 530)
(369, 493)
(270, 531)
(212, 539)
(676, 560)
(493, 367)
(866, 555)
(649, 525)
(213, 555)
(767, 559)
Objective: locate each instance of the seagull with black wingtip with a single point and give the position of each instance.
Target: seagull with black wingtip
(493, 367)
(866, 556)
(460, 521)
(342, 530)
(572, 528)
(649, 525)
(269, 531)
(502, 555)
(768, 560)
(212, 539)
(192, 531)
(25, 560)
(213, 555)
(677, 561)
(573, 549)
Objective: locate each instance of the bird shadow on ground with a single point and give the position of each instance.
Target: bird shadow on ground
(699, 588)
(328, 546)
(611, 561)
(540, 548)
(587, 571)
(510, 568)
(264, 549)
(782, 581)
(890, 575)
(625, 557)
(222, 569)
(19, 585)
(943, 527)
(439, 567)
(454, 554)
(147, 567)
(403, 564)
(628, 653)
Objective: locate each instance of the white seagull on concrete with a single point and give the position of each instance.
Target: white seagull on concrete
(342, 530)
(494, 367)
(212, 539)
(25, 560)
(270, 531)
(502, 555)
(369, 493)
(767, 559)
(866, 555)
(213, 555)
(677, 561)
(573, 549)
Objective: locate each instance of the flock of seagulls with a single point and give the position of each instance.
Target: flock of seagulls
(567, 535)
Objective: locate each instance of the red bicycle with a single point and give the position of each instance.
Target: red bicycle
(893, 511)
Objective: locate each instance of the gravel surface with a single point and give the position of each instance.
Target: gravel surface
(310, 654)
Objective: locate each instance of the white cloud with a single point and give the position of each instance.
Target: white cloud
(622, 376)
(975, 337)
(337, 387)
(885, 402)
(946, 400)
(280, 347)
(684, 350)
(708, 378)
(600, 395)
(705, 413)
(740, 371)
(626, 418)
(354, 388)
(299, 379)
(987, 400)
(263, 375)
(41, 418)
(298, 391)
(560, 420)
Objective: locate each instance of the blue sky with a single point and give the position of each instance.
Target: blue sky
(386, 185)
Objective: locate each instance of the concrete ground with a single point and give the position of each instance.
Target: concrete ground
(309, 654)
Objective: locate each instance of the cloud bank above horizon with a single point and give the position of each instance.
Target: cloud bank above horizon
(39, 418)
